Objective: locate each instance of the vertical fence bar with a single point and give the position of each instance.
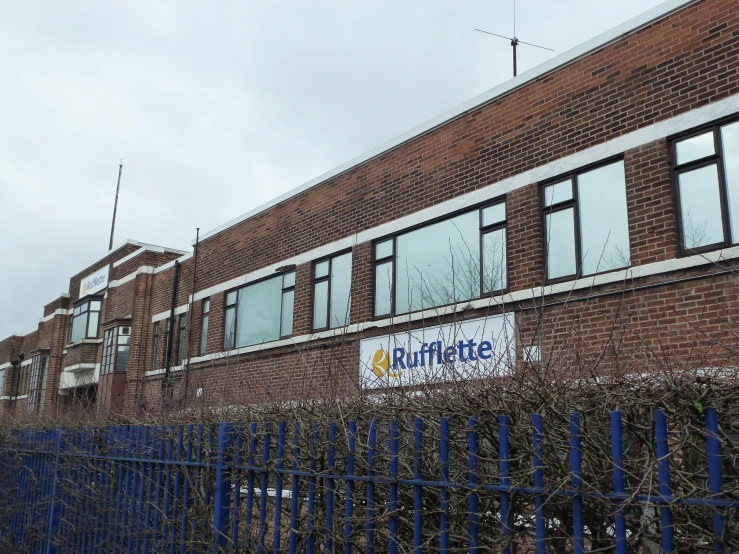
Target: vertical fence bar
(418, 488)
(349, 497)
(281, 430)
(263, 492)
(393, 497)
(186, 489)
(369, 547)
(121, 434)
(53, 521)
(505, 481)
(199, 447)
(131, 540)
(310, 524)
(578, 526)
(713, 448)
(617, 464)
(150, 473)
(538, 448)
(237, 487)
(473, 482)
(444, 491)
(330, 487)
(222, 492)
(294, 491)
(166, 515)
(177, 474)
(143, 450)
(248, 517)
(155, 529)
(663, 473)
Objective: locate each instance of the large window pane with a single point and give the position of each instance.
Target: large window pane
(92, 327)
(560, 233)
(438, 264)
(288, 305)
(695, 148)
(383, 288)
(320, 304)
(494, 261)
(341, 282)
(493, 214)
(230, 331)
(558, 192)
(259, 312)
(79, 328)
(604, 225)
(700, 206)
(730, 145)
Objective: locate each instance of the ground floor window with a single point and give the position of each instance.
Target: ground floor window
(37, 389)
(115, 350)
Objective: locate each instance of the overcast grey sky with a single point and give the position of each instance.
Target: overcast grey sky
(217, 107)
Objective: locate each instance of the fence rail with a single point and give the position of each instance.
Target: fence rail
(233, 487)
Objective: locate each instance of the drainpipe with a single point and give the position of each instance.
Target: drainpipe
(190, 321)
(172, 330)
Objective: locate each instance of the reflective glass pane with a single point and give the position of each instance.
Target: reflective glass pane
(288, 280)
(78, 310)
(438, 264)
(92, 328)
(493, 214)
(730, 144)
(95, 305)
(259, 312)
(206, 306)
(341, 282)
(383, 288)
(321, 269)
(79, 328)
(122, 361)
(494, 276)
(558, 192)
(560, 233)
(288, 304)
(384, 249)
(2, 381)
(695, 148)
(700, 207)
(230, 331)
(604, 225)
(204, 335)
(231, 298)
(320, 305)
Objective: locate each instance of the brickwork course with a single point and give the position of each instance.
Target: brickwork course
(671, 307)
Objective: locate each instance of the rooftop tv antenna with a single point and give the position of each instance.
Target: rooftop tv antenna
(115, 206)
(514, 41)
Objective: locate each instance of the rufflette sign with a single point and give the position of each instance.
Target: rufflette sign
(473, 349)
(94, 282)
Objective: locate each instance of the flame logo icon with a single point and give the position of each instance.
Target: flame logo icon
(381, 364)
(84, 289)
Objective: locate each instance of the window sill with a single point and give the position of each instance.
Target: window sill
(84, 341)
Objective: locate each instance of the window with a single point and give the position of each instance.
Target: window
(204, 327)
(155, 347)
(332, 280)
(454, 260)
(85, 320)
(260, 312)
(706, 168)
(2, 380)
(181, 340)
(115, 350)
(37, 388)
(586, 227)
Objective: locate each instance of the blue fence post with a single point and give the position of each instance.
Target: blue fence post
(505, 481)
(222, 492)
(444, 491)
(578, 527)
(370, 510)
(473, 483)
(538, 447)
(713, 448)
(617, 463)
(349, 499)
(418, 488)
(663, 473)
(250, 481)
(53, 522)
(294, 491)
(277, 523)
(310, 523)
(393, 496)
(263, 492)
(330, 487)
(236, 487)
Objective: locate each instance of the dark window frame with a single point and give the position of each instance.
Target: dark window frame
(155, 346)
(109, 362)
(204, 326)
(235, 307)
(37, 382)
(717, 158)
(181, 327)
(392, 258)
(316, 280)
(86, 302)
(574, 203)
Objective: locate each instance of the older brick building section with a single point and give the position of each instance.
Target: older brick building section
(623, 96)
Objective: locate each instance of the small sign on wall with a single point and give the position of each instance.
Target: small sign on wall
(95, 282)
(473, 349)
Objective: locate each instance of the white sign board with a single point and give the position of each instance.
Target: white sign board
(94, 282)
(464, 350)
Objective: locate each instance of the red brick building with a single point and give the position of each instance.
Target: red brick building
(585, 212)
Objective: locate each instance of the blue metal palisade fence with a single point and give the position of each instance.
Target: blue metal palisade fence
(258, 488)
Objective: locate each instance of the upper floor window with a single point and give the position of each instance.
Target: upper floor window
(586, 227)
(115, 349)
(332, 280)
(85, 320)
(454, 260)
(204, 327)
(155, 347)
(37, 386)
(181, 340)
(260, 312)
(706, 167)
(2, 381)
